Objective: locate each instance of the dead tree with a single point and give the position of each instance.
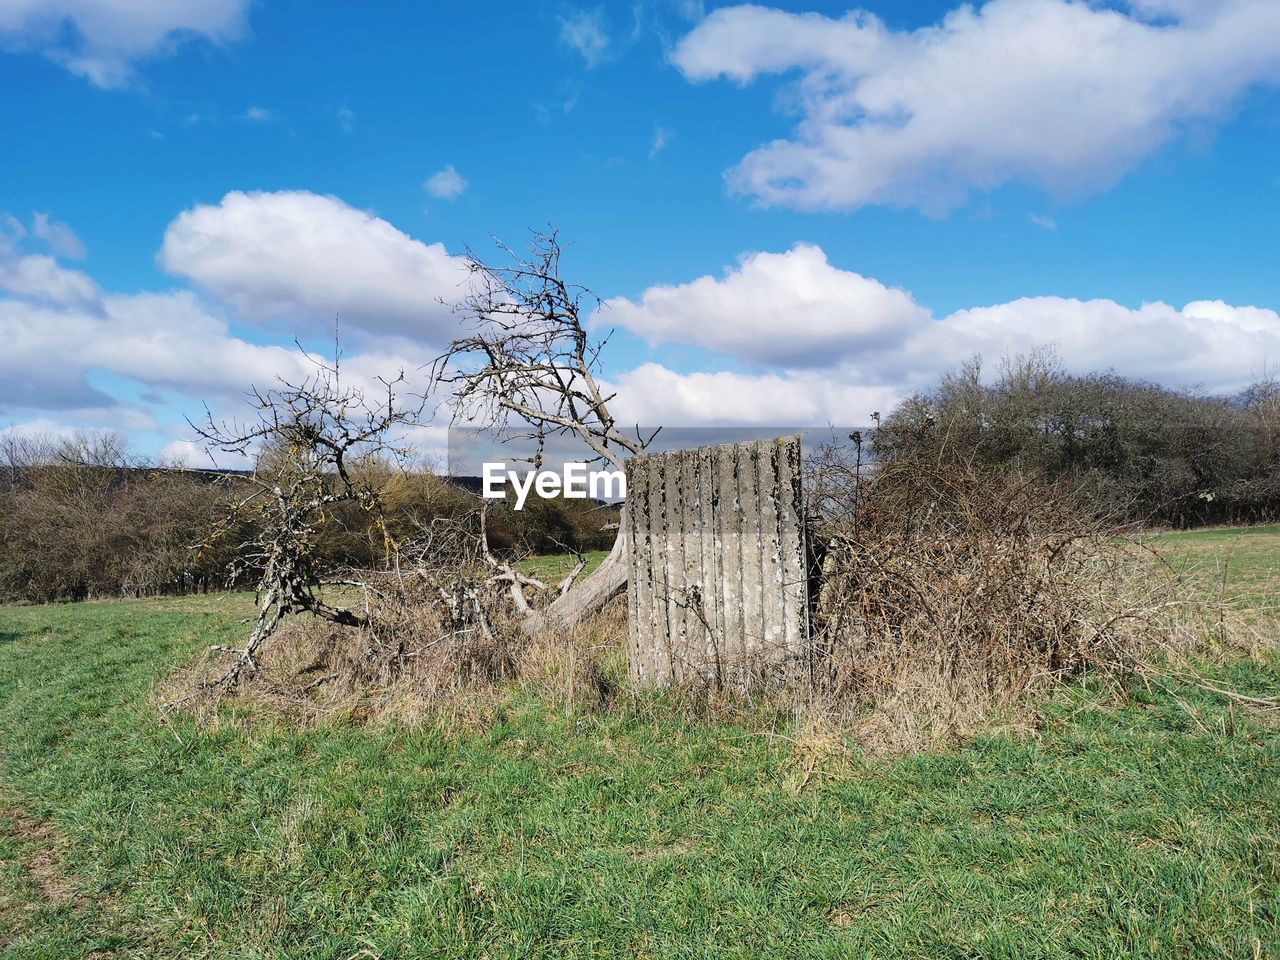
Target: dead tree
(310, 440)
(528, 366)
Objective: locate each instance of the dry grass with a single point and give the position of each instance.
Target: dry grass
(421, 660)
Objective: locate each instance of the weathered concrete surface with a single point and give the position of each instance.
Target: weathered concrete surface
(718, 587)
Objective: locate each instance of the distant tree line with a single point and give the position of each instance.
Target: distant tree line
(79, 518)
(84, 518)
(1140, 452)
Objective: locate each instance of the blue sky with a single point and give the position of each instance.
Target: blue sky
(802, 211)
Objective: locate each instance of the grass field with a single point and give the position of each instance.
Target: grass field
(1147, 828)
(554, 568)
(1242, 564)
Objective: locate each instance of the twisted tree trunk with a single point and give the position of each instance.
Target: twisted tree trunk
(585, 598)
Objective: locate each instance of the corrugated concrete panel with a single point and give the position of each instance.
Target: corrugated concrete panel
(719, 587)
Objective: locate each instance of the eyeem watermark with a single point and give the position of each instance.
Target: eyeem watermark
(574, 481)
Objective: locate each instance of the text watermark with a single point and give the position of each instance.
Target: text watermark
(573, 481)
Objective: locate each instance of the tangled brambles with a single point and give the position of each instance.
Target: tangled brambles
(951, 596)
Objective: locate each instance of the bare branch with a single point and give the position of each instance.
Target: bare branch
(529, 358)
(313, 441)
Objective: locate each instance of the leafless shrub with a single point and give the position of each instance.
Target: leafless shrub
(81, 517)
(956, 594)
(319, 444)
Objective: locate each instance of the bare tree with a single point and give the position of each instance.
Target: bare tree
(311, 440)
(1262, 400)
(21, 452)
(529, 366)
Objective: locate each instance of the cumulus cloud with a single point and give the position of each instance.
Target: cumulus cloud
(75, 355)
(32, 374)
(306, 258)
(101, 39)
(1206, 343)
(822, 344)
(792, 309)
(1063, 94)
(37, 277)
(172, 341)
(823, 329)
(170, 347)
(164, 340)
(60, 331)
(652, 394)
(62, 240)
(445, 184)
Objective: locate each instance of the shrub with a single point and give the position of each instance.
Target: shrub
(953, 594)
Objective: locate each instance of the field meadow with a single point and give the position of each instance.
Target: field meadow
(1142, 826)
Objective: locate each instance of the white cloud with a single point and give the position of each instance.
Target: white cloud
(661, 137)
(1205, 343)
(38, 276)
(1064, 94)
(171, 341)
(826, 345)
(43, 278)
(790, 309)
(259, 115)
(34, 374)
(654, 395)
(60, 330)
(172, 350)
(445, 184)
(130, 361)
(346, 119)
(587, 33)
(164, 340)
(62, 240)
(306, 258)
(101, 39)
(823, 330)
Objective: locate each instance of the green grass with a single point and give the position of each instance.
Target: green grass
(1139, 829)
(1243, 563)
(554, 567)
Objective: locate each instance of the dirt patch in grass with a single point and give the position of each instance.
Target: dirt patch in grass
(676, 848)
(43, 861)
